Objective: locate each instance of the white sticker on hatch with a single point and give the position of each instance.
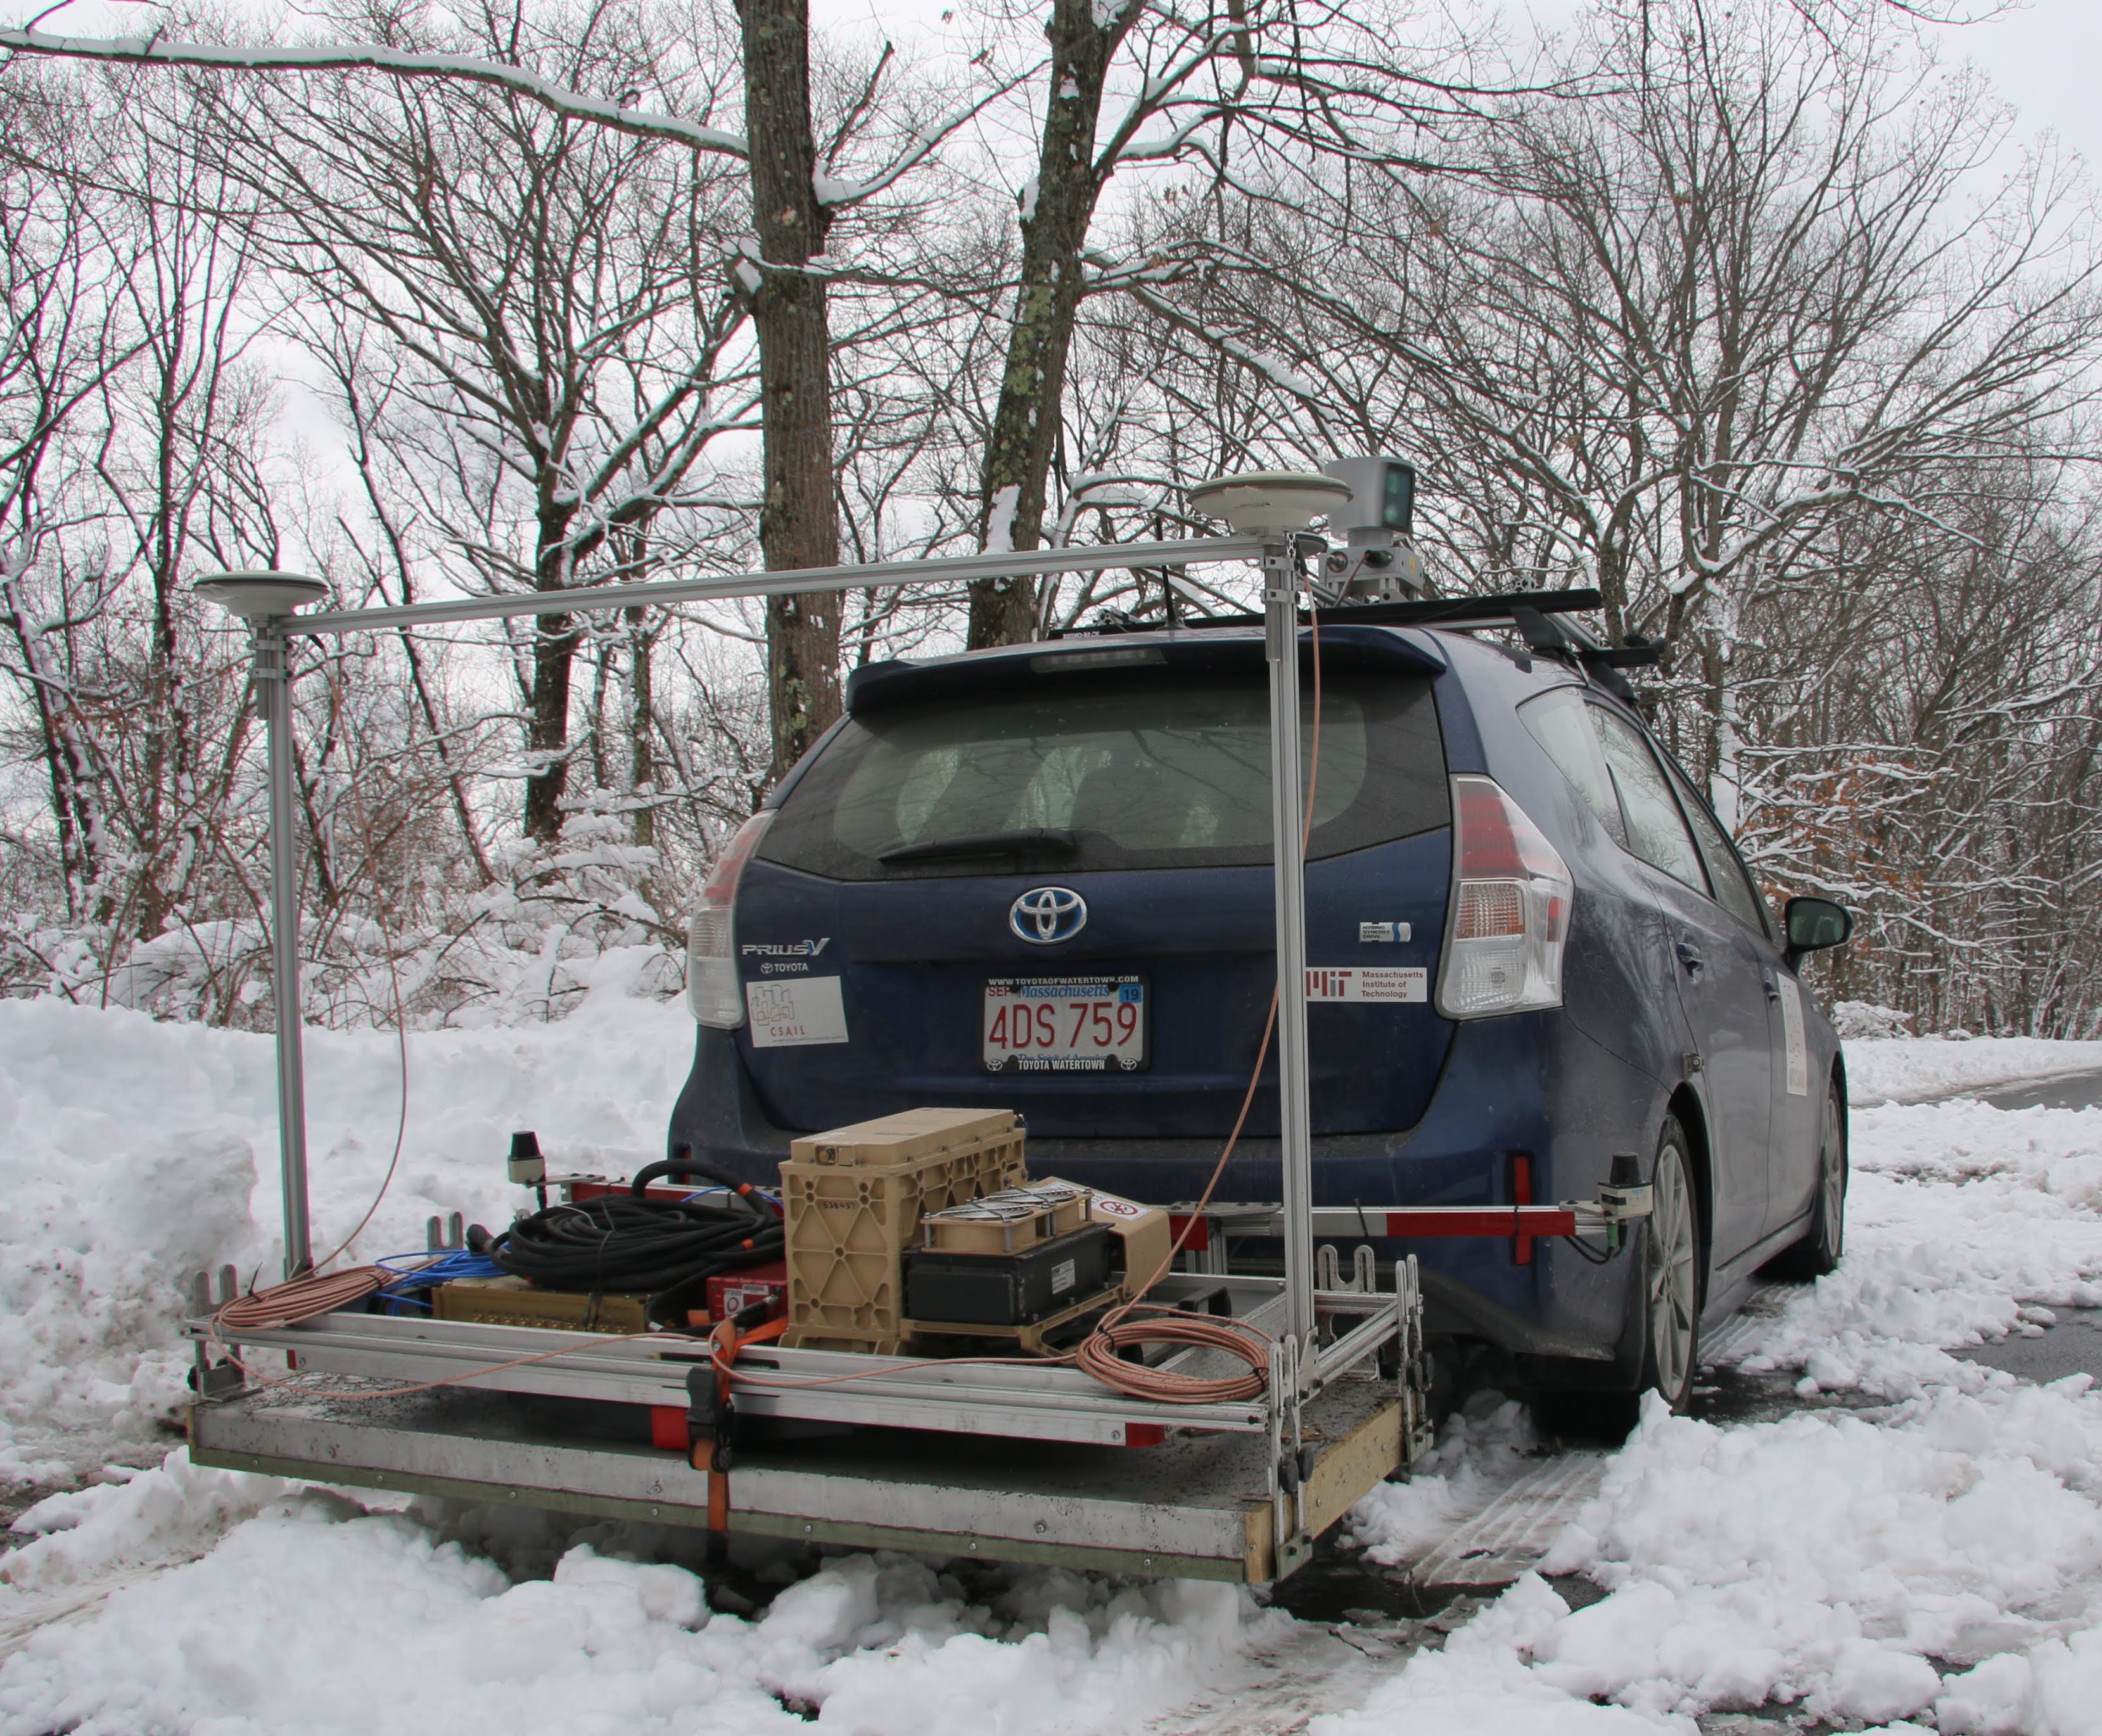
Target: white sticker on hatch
(1386, 931)
(1367, 985)
(1791, 1025)
(794, 1012)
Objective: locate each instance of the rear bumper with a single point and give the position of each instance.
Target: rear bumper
(1530, 1083)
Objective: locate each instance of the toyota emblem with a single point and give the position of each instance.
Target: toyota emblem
(1045, 915)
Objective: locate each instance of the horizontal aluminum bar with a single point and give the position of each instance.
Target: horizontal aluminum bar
(1383, 1223)
(1360, 1342)
(953, 569)
(1051, 1402)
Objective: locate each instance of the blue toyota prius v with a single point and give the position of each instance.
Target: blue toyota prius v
(1038, 878)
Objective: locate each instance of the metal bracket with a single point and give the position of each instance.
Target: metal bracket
(221, 1379)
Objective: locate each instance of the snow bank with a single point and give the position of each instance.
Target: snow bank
(1962, 1222)
(133, 1152)
(1823, 1562)
(313, 1616)
(1910, 1069)
(1941, 1561)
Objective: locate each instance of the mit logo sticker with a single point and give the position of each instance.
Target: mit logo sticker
(1354, 984)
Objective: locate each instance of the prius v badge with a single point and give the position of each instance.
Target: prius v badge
(1045, 915)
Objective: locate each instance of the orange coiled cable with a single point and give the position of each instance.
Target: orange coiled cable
(1099, 1355)
(303, 1298)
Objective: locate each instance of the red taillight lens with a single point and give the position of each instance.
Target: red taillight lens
(712, 991)
(1510, 908)
(1497, 840)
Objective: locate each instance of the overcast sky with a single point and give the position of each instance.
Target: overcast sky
(2044, 55)
(2045, 58)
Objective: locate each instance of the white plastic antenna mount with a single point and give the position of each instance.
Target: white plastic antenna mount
(256, 597)
(1269, 502)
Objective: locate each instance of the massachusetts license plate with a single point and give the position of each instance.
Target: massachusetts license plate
(1065, 1024)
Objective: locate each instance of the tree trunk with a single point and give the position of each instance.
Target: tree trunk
(641, 705)
(798, 525)
(1057, 210)
(548, 704)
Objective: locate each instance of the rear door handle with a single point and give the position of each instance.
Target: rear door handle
(1688, 958)
(1773, 988)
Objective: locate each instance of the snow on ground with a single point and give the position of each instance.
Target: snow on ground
(312, 1615)
(133, 1152)
(1480, 1453)
(1938, 1559)
(1910, 1069)
(1935, 1558)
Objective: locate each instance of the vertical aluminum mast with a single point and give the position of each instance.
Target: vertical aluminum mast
(1276, 505)
(1288, 798)
(273, 680)
(265, 601)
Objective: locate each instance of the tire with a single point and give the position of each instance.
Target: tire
(1670, 1284)
(1823, 1245)
(1672, 1278)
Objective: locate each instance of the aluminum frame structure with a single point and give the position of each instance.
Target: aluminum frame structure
(1279, 563)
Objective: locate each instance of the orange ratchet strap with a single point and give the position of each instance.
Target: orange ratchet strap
(711, 1414)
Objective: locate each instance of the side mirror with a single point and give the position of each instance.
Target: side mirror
(1814, 924)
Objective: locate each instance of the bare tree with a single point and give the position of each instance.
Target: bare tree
(797, 189)
(1247, 94)
(60, 342)
(550, 337)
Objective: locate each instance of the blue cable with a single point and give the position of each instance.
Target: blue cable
(456, 1262)
(427, 1274)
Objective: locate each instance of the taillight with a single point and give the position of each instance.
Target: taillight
(712, 991)
(1509, 913)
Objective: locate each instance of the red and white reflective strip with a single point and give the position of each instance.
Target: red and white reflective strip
(1394, 1223)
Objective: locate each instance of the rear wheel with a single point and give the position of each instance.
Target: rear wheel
(1668, 1305)
(1671, 1273)
(1820, 1249)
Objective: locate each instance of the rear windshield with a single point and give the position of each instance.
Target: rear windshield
(1092, 772)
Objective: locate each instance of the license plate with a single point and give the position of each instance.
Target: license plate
(1065, 1024)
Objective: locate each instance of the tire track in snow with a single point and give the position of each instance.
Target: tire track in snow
(26, 1614)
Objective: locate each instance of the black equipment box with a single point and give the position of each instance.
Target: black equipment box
(1007, 1289)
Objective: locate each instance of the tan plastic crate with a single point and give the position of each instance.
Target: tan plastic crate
(910, 1133)
(854, 1200)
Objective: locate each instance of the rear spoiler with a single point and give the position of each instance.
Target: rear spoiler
(875, 686)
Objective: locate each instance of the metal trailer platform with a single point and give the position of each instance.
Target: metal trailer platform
(1194, 1507)
(1003, 1462)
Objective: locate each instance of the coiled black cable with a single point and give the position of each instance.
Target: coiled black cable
(620, 1243)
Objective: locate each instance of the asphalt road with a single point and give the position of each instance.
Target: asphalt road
(2074, 1345)
(2082, 1091)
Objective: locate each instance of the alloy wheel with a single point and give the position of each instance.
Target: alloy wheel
(1675, 1277)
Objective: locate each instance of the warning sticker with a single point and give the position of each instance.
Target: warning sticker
(794, 1012)
(1355, 985)
(1791, 1025)
(1387, 931)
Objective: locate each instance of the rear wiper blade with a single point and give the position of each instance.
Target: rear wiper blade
(1020, 841)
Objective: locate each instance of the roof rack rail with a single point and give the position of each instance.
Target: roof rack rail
(1526, 611)
(1439, 611)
